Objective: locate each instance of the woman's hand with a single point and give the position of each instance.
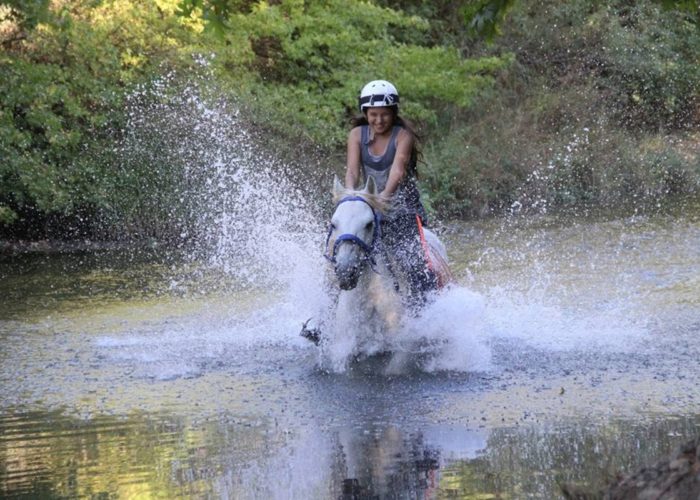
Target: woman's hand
(385, 197)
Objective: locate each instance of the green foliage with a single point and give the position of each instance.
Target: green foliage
(500, 119)
(484, 17)
(477, 168)
(621, 76)
(215, 13)
(689, 6)
(62, 91)
(295, 66)
(311, 58)
(654, 65)
(25, 14)
(643, 59)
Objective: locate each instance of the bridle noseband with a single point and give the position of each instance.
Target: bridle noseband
(368, 249)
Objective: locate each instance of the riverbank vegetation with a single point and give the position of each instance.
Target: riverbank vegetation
(529, 106)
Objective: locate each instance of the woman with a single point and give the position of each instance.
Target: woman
(382, 145)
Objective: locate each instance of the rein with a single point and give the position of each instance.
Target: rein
(368, 249)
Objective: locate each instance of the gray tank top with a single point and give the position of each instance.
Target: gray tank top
(406, 197)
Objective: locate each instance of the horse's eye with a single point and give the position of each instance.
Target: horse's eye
(369, 226)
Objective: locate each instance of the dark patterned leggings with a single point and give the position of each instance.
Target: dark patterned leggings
(401, 239)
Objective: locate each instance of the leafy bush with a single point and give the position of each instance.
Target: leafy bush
(295, 66)
(571, 122)
(310, 60)
(643, 60)
(503, 122)
(65, 75)
(651, 61)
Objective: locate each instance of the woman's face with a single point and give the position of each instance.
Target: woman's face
(380, 119)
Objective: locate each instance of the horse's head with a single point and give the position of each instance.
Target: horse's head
(354, 231)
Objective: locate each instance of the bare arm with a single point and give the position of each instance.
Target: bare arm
(404, 144)
(352, 169)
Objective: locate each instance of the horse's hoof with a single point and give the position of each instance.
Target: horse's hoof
(312, 334)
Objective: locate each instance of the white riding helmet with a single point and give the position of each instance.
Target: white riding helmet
(378, 93)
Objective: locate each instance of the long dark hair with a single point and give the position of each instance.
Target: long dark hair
(416, 153)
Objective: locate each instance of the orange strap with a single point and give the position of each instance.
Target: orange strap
(424, 243)
(443, 272)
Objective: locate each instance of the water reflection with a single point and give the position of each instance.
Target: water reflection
(39, 286)
(383, 461)
(49, 455)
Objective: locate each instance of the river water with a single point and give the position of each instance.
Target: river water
(574, 357)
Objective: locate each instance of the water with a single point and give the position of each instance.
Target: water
(118, 379)
(571, 355)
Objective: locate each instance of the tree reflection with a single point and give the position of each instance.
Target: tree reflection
(50, 455)
(47, 454)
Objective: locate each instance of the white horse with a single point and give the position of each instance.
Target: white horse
(369, 310)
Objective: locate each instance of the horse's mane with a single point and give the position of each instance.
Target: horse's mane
(375, 201)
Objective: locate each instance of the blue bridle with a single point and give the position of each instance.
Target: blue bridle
(368, 249)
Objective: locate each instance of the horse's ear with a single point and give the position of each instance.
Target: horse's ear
(371, 186)
(337, 185)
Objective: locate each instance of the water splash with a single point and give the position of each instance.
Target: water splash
(596, 286)
(239, 210)
(258, 228)
(450, 333)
